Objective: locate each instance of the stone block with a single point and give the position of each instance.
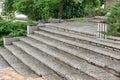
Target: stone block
(8, 40)
(31, 28)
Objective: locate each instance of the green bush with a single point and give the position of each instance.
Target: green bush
(72, 9)
(8, 8)
(113, 19)
(35, 10)
(100, 12)
(44, 9)
(1, 41)
(10, 28)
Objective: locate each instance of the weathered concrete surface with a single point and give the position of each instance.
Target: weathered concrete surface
(64, 53)
(10, 74)
(15, 63)
(58, 55)
(30, 61)
(92, 54)
(59, 67)
(3, 63)
(9, 40)
(86, 27)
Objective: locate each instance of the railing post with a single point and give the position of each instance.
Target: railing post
(31, 28)
(102, 27)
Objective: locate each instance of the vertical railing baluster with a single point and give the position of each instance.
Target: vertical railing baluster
(102, 27)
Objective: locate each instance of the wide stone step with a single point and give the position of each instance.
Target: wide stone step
(91, 57)
(91, 47)
(3, 63)
(83, 45)
(71, 60)
(87, 34)
(61, 68)
(15, 63)
(98, 42)
(33, 64)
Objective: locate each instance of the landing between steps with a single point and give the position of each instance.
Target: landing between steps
(77, 27)
(87, 28)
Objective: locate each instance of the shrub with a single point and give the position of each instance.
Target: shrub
(10, 28)
(89, 8)
(44, 9)
(35, 10)
(72, 9)
(8, 8)
(100, 12)
(113, 19)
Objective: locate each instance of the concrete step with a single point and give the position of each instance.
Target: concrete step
(114, 38)
(65, 29)
(91, 41)
(16, 64)
(33, 64)
(59, 67)
(88, 46)
(71, 60)
(98, 47)
(3, 63)
(92, 57)
(82, 33)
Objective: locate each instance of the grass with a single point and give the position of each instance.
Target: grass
(77, 19)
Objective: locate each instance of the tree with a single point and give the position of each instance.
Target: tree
(96, 3)
(61, 7)
(44, 9)
(109, 3)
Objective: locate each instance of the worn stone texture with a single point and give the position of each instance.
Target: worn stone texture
(10, 74)
(58, 52)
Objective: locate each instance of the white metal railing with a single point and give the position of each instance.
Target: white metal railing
(102, 27)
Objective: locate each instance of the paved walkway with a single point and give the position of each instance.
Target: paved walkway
(83, 27)
(10, 74)
(86, 27)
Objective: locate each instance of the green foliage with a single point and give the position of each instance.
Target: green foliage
(72, 9)
(8, 8)
(6, 27)
(100, 12)
(89, 7)
(36, 10)
(1, 41)
(44, 9)
(80, 9)
(54, 7)
(10, 28)
(113, 20)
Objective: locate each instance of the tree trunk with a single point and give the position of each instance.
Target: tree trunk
(61, 9)
(109, 3)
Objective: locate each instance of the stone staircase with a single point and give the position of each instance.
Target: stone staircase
(59, 54)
